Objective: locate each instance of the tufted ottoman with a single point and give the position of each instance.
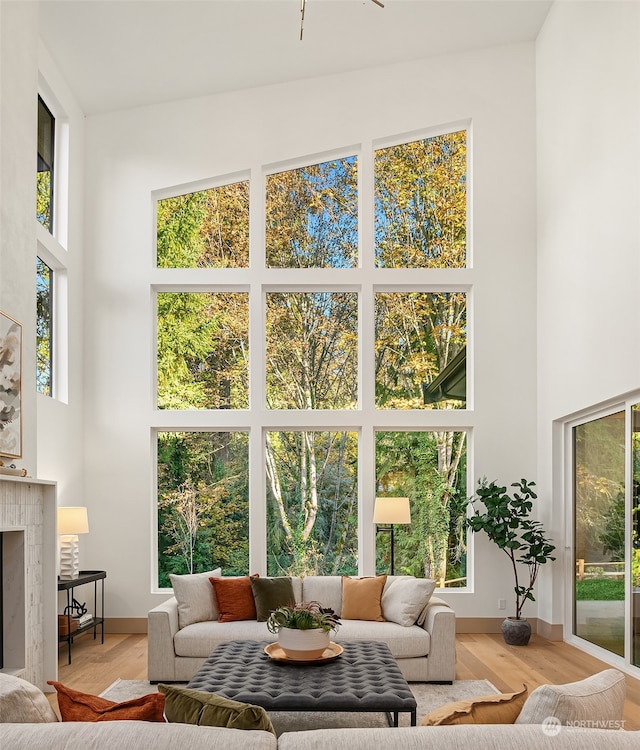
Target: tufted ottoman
(365, 677)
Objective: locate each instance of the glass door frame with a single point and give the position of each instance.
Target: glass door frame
(625, 405)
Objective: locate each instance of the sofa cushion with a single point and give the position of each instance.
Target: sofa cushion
(405, 599)
(502, 708)
(199, 707)
(598, 699)
(403, 642)
(130, 735)
(234, 598)
(199, 640)
(196, 602)
(22, 702)
(271, 593)
(324, 589)
(77, 706)
(362, 598)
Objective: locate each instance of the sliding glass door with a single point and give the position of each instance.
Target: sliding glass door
(599, 534)
(606, 539)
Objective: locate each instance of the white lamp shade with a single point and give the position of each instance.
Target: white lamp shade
(73, 520)
(389, 510)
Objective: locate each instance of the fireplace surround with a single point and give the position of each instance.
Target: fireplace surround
(29, 591)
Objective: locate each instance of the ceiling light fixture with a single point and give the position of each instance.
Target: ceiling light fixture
(302, 7)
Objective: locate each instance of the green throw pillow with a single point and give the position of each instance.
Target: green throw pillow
(271, 593)
(186, 706)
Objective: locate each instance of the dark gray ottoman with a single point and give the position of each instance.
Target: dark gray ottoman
(365, 677)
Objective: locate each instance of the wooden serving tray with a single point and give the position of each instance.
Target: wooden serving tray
(273, 651)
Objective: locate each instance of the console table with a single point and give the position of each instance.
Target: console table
(84, 577)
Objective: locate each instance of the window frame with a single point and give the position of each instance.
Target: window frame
(364, 279)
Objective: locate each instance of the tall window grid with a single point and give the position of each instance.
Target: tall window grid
(313, 355)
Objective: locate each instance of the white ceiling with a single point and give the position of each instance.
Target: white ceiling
(117, 54)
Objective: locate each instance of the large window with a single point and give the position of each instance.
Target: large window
(300, 336)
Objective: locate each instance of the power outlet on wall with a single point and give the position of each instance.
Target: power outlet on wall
(502, 603)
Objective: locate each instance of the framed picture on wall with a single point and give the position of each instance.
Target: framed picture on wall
(10, 387)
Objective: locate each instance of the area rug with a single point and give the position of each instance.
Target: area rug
(428, 697)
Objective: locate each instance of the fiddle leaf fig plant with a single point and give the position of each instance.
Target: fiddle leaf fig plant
(507, 521)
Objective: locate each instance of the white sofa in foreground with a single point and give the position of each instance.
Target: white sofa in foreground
(184, 630)
(547, 721)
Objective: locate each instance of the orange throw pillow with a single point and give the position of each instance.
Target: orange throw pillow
(503, 708)
(76, 706)
(234, 597)
(362, 598)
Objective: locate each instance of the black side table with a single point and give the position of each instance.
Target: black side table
(68, 585)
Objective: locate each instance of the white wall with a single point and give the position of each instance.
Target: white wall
(18, 119)
(588, 126)
(60, 442)
(132, 153)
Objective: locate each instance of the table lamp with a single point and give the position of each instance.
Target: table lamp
(71, 522)
(389, 511)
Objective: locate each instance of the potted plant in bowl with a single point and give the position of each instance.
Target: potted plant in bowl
(506, 521)
(303, 629)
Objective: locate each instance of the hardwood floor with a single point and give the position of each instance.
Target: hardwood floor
(480, 656)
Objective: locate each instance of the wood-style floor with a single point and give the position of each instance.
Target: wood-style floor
(483, 656)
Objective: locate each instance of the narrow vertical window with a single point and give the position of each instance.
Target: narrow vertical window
(44, 328)
(46, 138)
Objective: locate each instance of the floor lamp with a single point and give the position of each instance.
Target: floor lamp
(389, 511)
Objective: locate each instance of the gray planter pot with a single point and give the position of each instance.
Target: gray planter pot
(516, 632)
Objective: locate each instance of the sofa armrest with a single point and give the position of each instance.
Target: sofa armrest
(162, 626)
(440, 623)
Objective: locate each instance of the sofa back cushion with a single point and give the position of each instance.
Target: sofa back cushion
(21, 702)
(194, 595)
(598, 699)
(324, 589)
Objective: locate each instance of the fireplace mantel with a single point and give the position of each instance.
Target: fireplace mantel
(29, 505)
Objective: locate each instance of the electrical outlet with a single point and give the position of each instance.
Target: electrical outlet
(502, 603)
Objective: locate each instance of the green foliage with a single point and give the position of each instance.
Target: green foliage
(303, 616)
(311, 221)
(202, 503)
(43, 199)
(416, 464)
(312, 216)
(600, 589)
(506, 521)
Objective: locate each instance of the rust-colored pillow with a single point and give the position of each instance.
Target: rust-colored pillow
(362, 598)
(234, 598)
(77, 706)
(502, 708)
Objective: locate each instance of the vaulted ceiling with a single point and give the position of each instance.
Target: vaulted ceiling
(117, 54)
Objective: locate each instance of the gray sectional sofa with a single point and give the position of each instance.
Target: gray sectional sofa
(183, 631)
